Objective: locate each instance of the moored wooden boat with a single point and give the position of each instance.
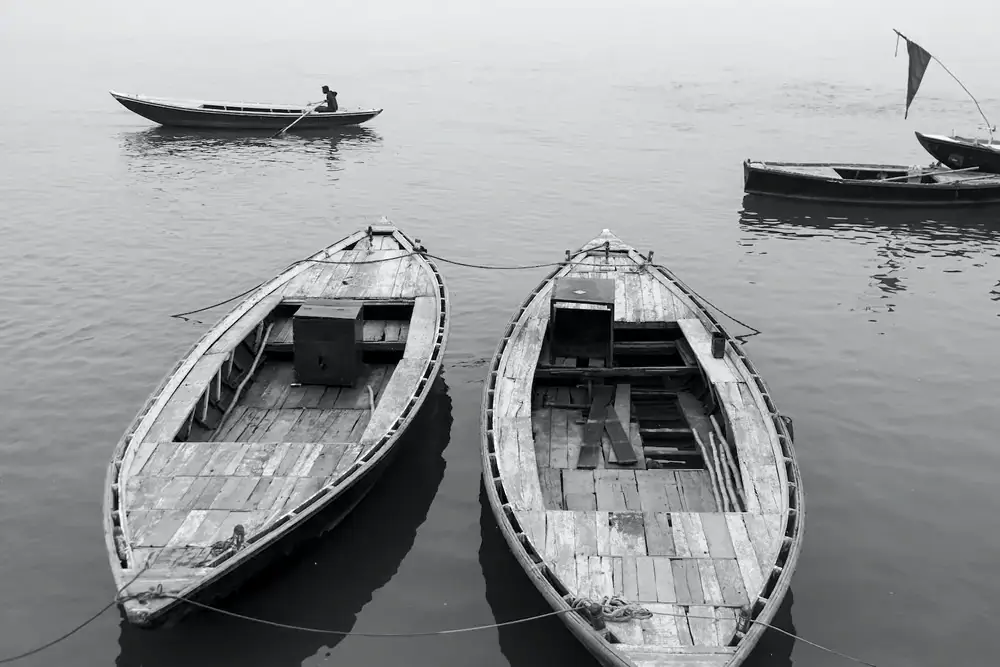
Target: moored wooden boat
(871, 183)
(275, 424)
(631, 449)
(961, 152)
(238, 115)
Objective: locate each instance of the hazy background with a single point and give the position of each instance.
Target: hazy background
(511, 132)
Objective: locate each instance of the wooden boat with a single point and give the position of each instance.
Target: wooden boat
(961, 152)
(238, 116)
(631, 449)
(870, 183)
(275, 424)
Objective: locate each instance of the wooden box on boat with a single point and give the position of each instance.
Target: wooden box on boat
(232, 462)
(326, 344)
(666, 478)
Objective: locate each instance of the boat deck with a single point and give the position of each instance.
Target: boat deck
(692, 529)
(234, 443)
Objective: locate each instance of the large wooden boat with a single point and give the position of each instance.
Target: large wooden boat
(871, 183)
(961, 152)
(631, 449)
(238, 115)
(275, 424)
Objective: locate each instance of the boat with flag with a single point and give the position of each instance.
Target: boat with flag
(953, 151)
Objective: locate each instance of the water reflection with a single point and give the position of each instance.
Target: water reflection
(956, 232)
(325, 584)
(899, 236)
(161, 144)
(547, 641)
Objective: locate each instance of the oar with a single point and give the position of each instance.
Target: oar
(308, 111)
(927, 173)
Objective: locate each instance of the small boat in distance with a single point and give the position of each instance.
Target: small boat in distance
(275, 424)
(238, 116)
(636, 465)
(880, 184)
(960, 152)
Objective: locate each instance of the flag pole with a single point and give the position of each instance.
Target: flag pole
(989, 128)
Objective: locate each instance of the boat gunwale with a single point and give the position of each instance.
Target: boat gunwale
(991, 181)
(324, 496)
(774, 588)
(265, 111)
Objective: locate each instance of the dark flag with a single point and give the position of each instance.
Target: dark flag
(919, 59)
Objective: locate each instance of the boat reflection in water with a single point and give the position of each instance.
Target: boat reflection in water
(898, 234)
(163, 142)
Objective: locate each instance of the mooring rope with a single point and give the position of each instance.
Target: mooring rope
(613, 609)
(485, 267)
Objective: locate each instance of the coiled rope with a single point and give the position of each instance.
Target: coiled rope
(613, 609)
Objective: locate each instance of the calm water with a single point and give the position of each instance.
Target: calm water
(511, 132)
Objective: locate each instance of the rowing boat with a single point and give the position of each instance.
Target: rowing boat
(871, 183)
(960, 152)
(637, 466)
(238, 116)
(275, 424)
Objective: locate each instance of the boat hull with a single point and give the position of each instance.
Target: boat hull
(176, 116)
(517, 509)
(149, 593)
(777, 183)
(960, 153)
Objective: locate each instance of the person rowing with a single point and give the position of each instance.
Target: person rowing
(331, 100)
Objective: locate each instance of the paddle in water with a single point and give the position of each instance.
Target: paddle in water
(308, 111)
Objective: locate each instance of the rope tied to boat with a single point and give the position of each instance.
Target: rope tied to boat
(232, 543)
(611, 608)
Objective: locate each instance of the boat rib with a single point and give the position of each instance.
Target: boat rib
(283, 412)
(632, 451)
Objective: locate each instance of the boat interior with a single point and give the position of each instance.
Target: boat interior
(255, 109)
(623, 416)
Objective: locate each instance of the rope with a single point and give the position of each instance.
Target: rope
(622, 611)
(613, 609)
(348, 633)
(485, 267)
(81, 626)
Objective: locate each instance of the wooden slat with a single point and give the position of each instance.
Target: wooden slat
(552, 489)
(745, 555)
(594, 427)
(666, 590)
(423, 328)
(646, 577)
(578, 489)
(720, 545)
(533, 525)
(694, 533)
(700, 339)
(559, 439)
(627, 534)
(687, 581)
(659, 534)
(701, 621)
(733, 589)
(710, 582)
(661, 628)
(756, 457)
(560, 538)
(616, 490)
(585, 532)
(652, 487)
(397, 393)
